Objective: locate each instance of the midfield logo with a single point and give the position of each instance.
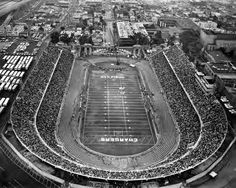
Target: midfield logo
(117, 139)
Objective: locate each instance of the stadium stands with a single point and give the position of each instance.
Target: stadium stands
(52, 100)
(198, 140)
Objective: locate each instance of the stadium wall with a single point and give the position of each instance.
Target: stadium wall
(204, 173)
(49, 177)
(31, 165)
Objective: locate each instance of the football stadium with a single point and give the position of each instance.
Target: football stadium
(118, 121)
(117, 94)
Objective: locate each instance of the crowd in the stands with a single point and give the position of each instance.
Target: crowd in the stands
(181, 107)
(170, 66)
(29, 98)
(214, 122)
(52, 101)
(211, 129)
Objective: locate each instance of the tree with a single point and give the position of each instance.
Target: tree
(194, 48)
(171, 40)
(90, 40)
(91, 28)
(65, 38)
(55, 37)
(53, 25)
(82, 40)
(140, 38)
(191, 44)
(85, 39)
(41, 29)
(85, 22)
(125, 13)
(101, 18)
(72, 37)
(25, 27)
(157, 38)
(138, 17)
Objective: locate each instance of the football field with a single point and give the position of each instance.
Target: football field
(105, 121)
(116, 121)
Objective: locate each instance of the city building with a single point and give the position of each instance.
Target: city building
(224, 75)
(212, 40)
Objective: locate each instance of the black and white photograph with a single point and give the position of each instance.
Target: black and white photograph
(117, 93)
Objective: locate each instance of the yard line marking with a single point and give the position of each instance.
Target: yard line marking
(108, 105)
(124, 112)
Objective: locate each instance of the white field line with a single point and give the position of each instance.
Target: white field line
(108, 106)
(124, 112)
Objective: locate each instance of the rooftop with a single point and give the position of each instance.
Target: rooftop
(229, 76)
(218, 56)
(221, 35)
(225, 70)
(226, 36)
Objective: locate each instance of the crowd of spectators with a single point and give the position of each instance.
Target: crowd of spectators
(29, 98)
(183, 111)
(185, 72)
(213, 120)
(211, 132)
(47, 115)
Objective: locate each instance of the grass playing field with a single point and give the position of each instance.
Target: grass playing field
(116, 121)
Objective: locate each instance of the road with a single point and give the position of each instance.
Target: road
(109, 36)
